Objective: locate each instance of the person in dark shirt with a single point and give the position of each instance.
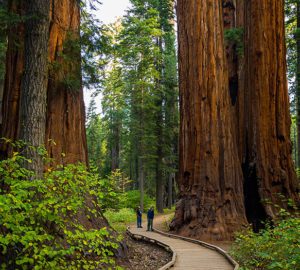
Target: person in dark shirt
(139, 217)
(150, 217)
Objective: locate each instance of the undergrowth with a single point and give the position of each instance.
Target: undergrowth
(275, 247)
(39, 224)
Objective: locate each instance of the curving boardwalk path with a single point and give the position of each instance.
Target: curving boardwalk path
(189, 256)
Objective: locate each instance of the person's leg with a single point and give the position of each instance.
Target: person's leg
(137, 221)
(151, 224)
(148, 224)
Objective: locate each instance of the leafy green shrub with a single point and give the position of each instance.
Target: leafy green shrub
(275, 247)
(131, 199)
(39, 228)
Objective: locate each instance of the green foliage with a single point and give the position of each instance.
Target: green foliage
(39, 219)
(120, 219)
(275, 247)
(131, 199)
(235, 36)
(111, 190)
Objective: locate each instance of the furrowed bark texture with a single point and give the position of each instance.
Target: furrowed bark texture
(65, 108)
(211, 198)
(65, 116)
(268, 168)
(65, 111)
(34, 82)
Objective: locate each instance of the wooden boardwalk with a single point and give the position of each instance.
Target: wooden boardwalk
(189, 256)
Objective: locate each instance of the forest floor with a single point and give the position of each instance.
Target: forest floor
(143, 255)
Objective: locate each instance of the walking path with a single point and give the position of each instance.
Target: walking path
(189, 256)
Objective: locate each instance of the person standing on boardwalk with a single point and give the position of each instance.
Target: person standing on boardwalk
(150, 217)
(139, 217)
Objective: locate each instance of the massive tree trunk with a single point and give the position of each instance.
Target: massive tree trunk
(210, 177)
(65, 111)
(65, 117)
(34, 82)
(268, 167)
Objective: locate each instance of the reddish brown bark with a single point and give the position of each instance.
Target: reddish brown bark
(210, 177)
(65, 111)
(65, 107)
(9, 127)
(268, 167)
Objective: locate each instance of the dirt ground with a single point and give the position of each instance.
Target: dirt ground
(144, 255)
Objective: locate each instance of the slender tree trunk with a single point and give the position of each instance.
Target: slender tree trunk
(159, 134)
(170, 189)
(34, 82)
(268, 168)
(141, 151)
(115, 145)
(210, 177)
(298, 84)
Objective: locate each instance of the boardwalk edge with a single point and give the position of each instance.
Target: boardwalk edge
(204, 244)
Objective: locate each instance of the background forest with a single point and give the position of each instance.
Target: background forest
(69, 176)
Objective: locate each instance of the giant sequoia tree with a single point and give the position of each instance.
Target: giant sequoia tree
(211, 190)
(220, 139)
(65, 116)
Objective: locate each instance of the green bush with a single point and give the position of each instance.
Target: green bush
(131, 199)
(120, 219)
(275, 247)
(39, 228)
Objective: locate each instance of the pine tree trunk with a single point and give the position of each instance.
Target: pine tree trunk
(34, 82)
(298, 84)
(211, 198)
(268, 168)
(170, 190)
(159, 135)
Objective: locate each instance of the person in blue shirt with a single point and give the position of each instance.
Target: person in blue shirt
(139, 217)
(150, 217)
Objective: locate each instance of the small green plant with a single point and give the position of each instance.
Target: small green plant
(235, 36)
(275, 247)
(120, 219)
(39, 218)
